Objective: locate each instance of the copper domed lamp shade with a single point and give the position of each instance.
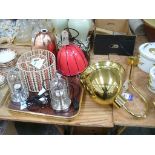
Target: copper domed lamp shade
(44, 40)
(71, 60)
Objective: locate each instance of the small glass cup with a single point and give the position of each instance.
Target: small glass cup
(59, 93)
(19, 92)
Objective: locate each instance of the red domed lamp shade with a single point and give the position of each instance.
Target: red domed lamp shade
(71, 60)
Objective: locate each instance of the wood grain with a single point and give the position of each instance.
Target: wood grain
(3, 94)
(140, 80)
(91, 115)
(122, 118)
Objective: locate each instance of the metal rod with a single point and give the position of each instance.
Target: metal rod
(131, 68)
(132, 59)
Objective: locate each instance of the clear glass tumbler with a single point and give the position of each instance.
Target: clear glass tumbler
(59, 91)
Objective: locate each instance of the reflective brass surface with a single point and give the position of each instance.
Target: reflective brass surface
(103, 80)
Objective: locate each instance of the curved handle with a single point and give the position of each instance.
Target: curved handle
(70, 36)
(121, 101)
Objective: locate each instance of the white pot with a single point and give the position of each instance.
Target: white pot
(83, 26)
(147, 56)
(151, 82)
(59, 25)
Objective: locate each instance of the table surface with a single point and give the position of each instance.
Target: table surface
(92, 114)
(140, 80)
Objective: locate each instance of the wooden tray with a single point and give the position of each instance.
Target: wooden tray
(3, 94)
(76, 91)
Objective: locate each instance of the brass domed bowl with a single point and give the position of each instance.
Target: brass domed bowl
(103, 80)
